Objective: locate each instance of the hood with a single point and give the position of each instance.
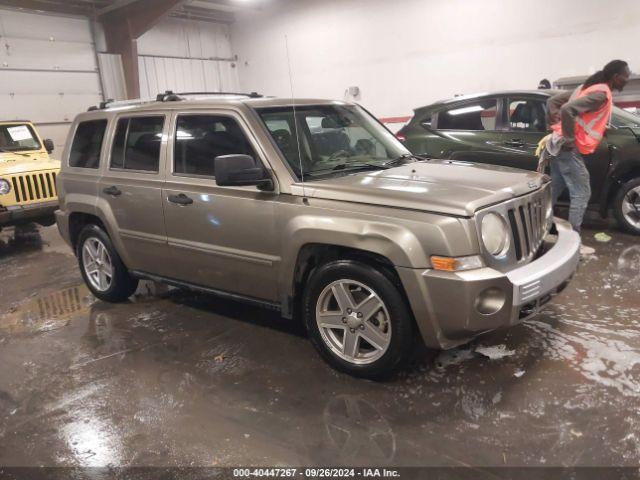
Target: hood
(441, 186)
(12, 163)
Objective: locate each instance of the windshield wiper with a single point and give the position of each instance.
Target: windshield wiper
(17, 152)
(348, 165)
(402, 159)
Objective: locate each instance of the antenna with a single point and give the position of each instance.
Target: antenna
(295, 119)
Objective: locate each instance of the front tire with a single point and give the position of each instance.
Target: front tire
(626, 206)
(101, 266)
(358, 319)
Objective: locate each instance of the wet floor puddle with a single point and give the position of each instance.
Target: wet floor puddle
(47, 312)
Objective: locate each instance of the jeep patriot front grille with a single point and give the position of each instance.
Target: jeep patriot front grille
(526, 218)
(528, 226)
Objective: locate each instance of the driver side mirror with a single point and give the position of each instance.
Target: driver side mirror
(48, 145)
(240, 170)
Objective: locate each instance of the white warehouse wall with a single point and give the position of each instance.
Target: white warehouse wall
(408, 53)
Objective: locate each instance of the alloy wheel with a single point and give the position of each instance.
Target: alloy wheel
(353, 321)
(631, 207)
(97, 264)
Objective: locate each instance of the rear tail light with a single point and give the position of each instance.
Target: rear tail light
(400, 136)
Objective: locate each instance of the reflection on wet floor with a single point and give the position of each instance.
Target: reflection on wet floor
(47, 312)
(629, 262)
(358, 431)
(20, 239)
(176, 378)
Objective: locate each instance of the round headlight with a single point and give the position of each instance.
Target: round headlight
(495, 234)
(5, 187)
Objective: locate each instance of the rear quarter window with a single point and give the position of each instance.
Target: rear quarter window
(480, 115)
(87, 144)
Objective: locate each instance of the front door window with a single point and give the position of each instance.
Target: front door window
(527, 115)
(201, 138)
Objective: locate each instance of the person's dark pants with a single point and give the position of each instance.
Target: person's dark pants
(568, 171)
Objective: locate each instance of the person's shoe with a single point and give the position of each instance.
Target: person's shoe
(585, 250)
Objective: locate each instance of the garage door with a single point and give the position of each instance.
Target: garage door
(48, 71)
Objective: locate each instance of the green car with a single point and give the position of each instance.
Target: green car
(504, 128)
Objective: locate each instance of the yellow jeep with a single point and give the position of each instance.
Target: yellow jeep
(27, 176)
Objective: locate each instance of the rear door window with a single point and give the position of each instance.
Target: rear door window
(136, 145)
(477, 116)
(87, 144)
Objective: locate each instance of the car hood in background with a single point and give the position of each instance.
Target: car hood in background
(442, 186)
(13, 163)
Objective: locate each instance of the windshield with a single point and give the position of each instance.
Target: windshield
(622, 118)
(16, 137)
(330, 139)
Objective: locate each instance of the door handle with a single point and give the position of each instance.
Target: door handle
(516, 142)
(180, 199)
(113, 191)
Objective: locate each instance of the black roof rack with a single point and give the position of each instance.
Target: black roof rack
(111, 102)
(170, 96)
(167, 96)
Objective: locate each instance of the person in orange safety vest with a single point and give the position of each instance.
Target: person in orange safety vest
(581, 118)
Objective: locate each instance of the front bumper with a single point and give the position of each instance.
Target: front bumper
(62, 221)
(449, 307)
(28, 213)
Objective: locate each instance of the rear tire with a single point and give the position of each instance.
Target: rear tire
(101, 266)
(366, 332)
(626, 206)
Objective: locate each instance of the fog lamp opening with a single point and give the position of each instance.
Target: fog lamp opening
(490, 301)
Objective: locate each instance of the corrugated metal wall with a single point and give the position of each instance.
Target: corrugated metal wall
(182, 55)
(48, 71)
(158, 74)
(112, 73)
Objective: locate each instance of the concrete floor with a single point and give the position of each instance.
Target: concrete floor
(185, 379)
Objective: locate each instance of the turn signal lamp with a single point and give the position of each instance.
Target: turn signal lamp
(456, 264)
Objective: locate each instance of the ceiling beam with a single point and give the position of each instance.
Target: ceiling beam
(204, 13)
(66, 8)
(124, 25)
(139, 16)
(113, 6)
(224, 5)
(196, 18)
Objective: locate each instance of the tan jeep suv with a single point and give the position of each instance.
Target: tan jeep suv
(312, 208)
